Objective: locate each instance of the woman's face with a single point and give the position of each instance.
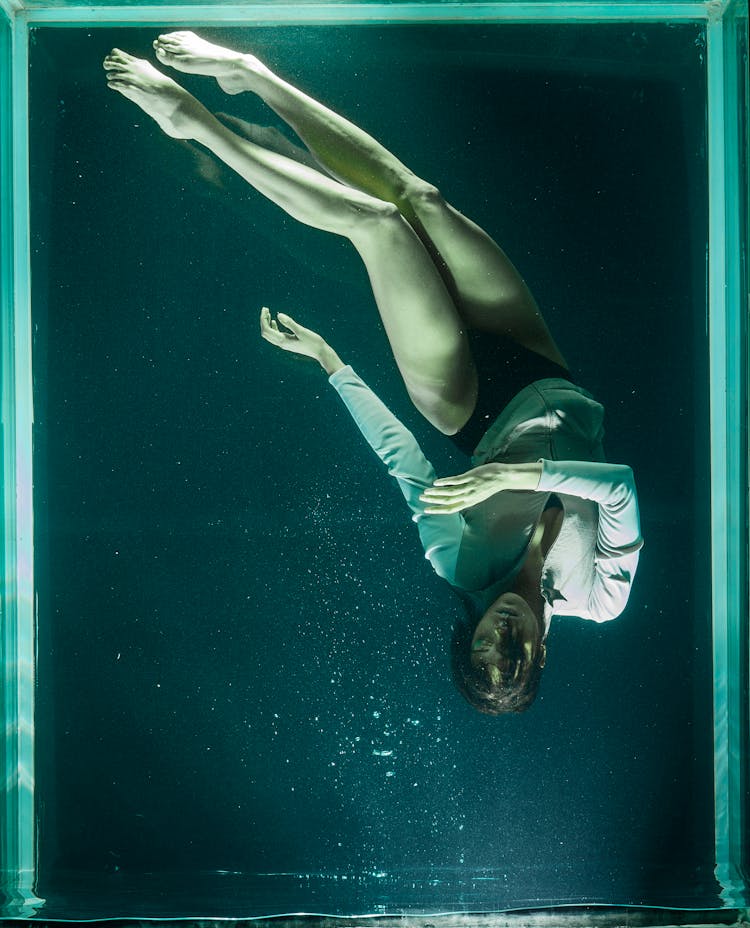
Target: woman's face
(507, 639)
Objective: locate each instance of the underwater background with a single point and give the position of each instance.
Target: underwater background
(244, 702)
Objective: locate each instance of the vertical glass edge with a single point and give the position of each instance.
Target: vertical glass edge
(8, 700)
(728, 493)
(6, 262)
(741, 81)
(18, 639)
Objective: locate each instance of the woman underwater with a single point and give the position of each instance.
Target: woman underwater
(540, 525)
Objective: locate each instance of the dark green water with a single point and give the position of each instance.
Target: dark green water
(244, 700)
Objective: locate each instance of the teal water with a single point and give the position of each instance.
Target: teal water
(245, 703)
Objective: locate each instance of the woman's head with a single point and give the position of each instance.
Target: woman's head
(498, 656)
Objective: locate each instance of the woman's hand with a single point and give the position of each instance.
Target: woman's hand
(452, 494)
(298, 339)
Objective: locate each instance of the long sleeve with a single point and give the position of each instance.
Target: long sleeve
(618, 540)
(399, 451)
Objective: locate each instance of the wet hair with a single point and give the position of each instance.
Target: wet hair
(475, 683)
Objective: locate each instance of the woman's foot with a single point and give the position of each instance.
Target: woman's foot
(177, 112)
(187, 52)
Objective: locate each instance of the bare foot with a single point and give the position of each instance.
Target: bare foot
(187, 52)
(177, 112)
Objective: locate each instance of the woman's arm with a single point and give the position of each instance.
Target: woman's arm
(452, 494)
(618, 539)
(398, 449)
(387, 436)
(611, 486)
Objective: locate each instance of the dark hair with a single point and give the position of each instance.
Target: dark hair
(475, 683)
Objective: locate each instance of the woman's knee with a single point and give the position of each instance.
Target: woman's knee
(420, 194)
(374, 221)
(445, 416)
(448, 397)
(368, 210)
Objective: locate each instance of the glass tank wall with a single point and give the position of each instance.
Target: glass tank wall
(242, 693)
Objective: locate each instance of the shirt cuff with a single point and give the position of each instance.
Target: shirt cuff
(341, 374)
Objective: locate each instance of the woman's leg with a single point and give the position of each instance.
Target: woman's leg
(491, 294)
(423, 326)
(486, 287)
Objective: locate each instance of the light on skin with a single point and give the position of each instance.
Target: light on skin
(296, 338)
(449, 495)
(509, 619)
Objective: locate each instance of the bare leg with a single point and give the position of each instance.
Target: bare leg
(486, 287)
(423, 326)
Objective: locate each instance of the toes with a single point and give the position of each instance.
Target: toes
(118, 59)
(117, 54)
(117, 70)
(173, 38)
(161, 51)
(122, 87)
(118, 81)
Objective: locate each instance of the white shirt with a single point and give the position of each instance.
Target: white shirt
(589, 569)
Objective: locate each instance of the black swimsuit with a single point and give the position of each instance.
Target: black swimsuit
(504, 368)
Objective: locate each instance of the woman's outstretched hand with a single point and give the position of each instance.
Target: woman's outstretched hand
(295, 337)
(452, 494)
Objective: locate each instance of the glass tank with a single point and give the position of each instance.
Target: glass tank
(268, 273)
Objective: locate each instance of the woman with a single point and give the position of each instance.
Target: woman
(539, 525)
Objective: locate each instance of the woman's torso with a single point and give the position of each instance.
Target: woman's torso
(520, 418)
